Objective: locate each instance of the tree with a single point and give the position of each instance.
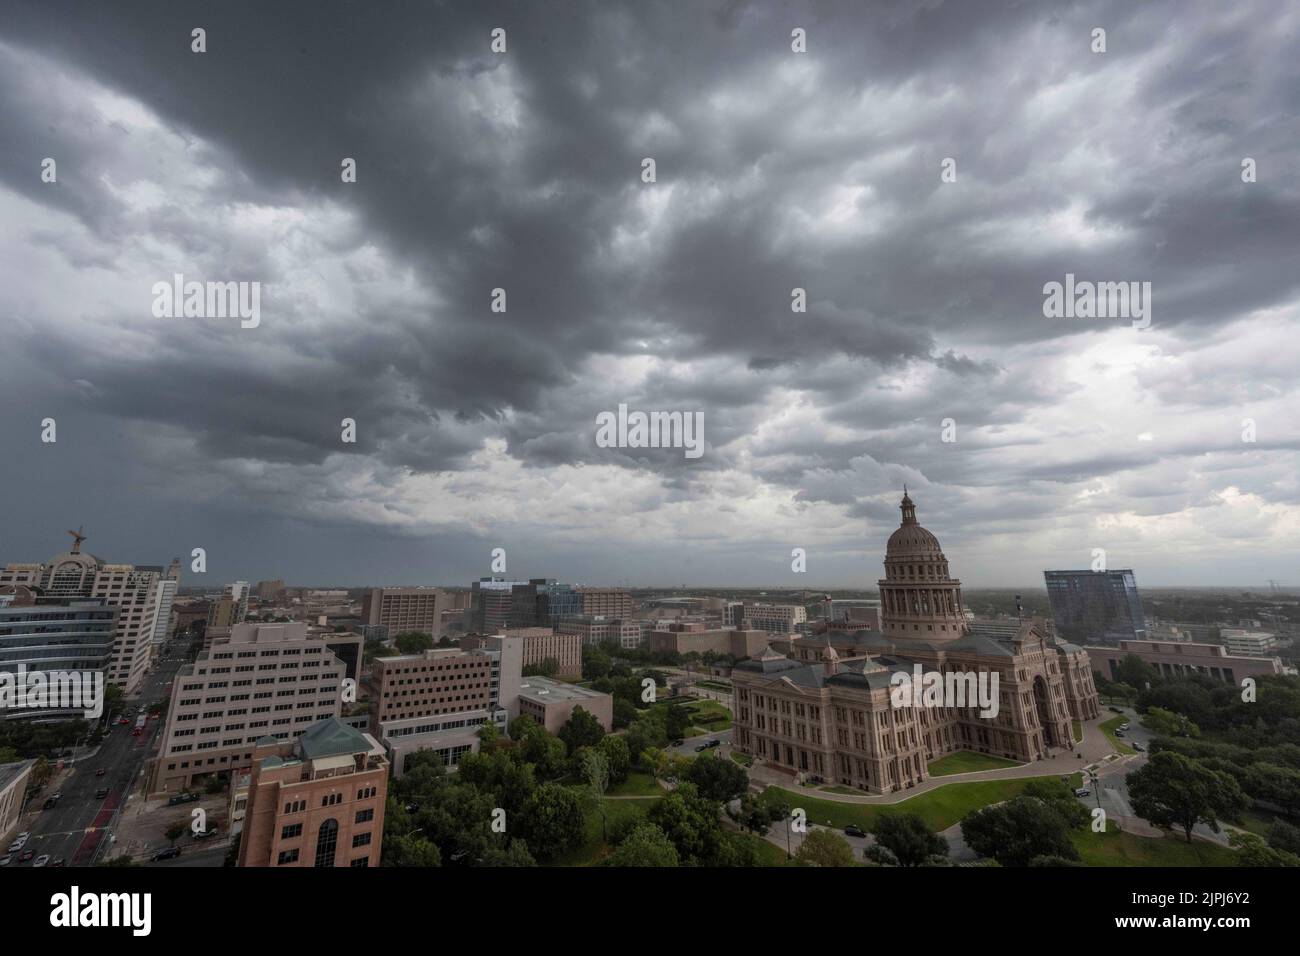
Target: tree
(582, 729)
(553, 821)
(548, 667)
(1015, 832)
(1168, 724)
(594, 770)
(677, 721)
(645, 846)
(717, 779)
(1279, 786)
(1061, 799)
(1177, 791)
(691, 823)
(411, 851)
(1285, 837)
(821, 847)
(616, 753)
(1253, 851)
(757, 816)
(1135, 672)
(909, 838)
(176, 830)
(595, 662)
(413, 642)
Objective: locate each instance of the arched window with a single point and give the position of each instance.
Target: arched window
(327, 839)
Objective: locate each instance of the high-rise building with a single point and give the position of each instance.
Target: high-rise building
(1248, 643)
(404, 609)
(1097, 607)
(262, 679)
(317, 800)
(493, 609)
(606, 602)
(53, 634)
(540, 644)
(137, 592)
(270, 590)
(439, 699)
(597, 630)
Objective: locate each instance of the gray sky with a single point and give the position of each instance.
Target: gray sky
(775, 170)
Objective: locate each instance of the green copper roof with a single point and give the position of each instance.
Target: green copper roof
(330, 738)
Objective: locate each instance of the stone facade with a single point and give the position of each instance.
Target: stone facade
(834, 720)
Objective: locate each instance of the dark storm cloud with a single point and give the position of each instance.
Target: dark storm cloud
(775, 171)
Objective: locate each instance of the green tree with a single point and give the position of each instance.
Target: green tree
(553, 821)
(413, 642)
(547, 667)
(616, 753)
(717, 779)
(594, 771)
(582, 729)
(1279, 786)
(646, 845)
(1015, 832)
(1254, 852)
(1285, 837)
(410, 850)
(691, 824)
(822, 847)
(595, 662)
(1060, 797)
(1177, 791)
(176, 830)
(909, 838)
(1166, 723)
(1135, 672)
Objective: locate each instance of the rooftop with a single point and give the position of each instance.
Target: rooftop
(543, 689)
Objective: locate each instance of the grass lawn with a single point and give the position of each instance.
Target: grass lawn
(593, 848)
(769, 854)
(715, 685)
(838, 789)
(1116, 848)
(939, 808)
(964, 761)
(1108, 728)
(745, 760)
(638, 784)
(708, 708)
(1078, 731)
(1258, 821)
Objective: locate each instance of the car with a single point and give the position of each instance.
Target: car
(182, 798)
(206, 834)
(714, 743)
(1123, 726)
(101, 771)
(171, 853)
(59, 862)
(412, 807)
(1116, 710)
(6, 860)
(1138, 747)
(700, 748)
(42, 860)
(1119, 733)
(27, 855)
(854, 831)
(57, 795)
(122, 722)
(101, 793)
(677, 743)
(1082, 792)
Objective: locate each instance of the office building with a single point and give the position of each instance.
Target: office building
(1174, 659)
(263, 679)
(403, 610)
(54, 634)
(14, 778)
(137, 592)
(774, 618)
(540, 644)
(551, 703)
(1096, 607)
(597, 630)
(1248, 643)
(606, 602)
(317, 800)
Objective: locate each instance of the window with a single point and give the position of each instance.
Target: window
(288, 856)
(361, 839)
(327, 839)
(291, 831)
(365, 816)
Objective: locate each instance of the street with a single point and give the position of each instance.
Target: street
(73, 828)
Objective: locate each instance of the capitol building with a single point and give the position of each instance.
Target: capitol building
(823, 709)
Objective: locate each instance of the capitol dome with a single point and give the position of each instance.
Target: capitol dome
(911, 538)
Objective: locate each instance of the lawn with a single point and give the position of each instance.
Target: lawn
(964, 761)
(715, 685)
(593, 848)
(1117, 848)
(637, 784)
(939, 808)
(708, 708)
(1108, 728)
(745, 760)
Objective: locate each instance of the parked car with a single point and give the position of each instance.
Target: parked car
(101, 771)
(854, 831)
(1138, 747)
(168, 854)
(182, 798)
(19, 842)
(42, 860)
(101, 793)
(678, 742)
(27, 855)
(1082, 792)
(6, 860)
(1119, 733)
(1123, 726)
(207, 834)
(1116, 710)
(714, 743)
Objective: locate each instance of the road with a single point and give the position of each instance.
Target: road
(72, 830)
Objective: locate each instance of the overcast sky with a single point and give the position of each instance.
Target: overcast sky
(775, 170)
